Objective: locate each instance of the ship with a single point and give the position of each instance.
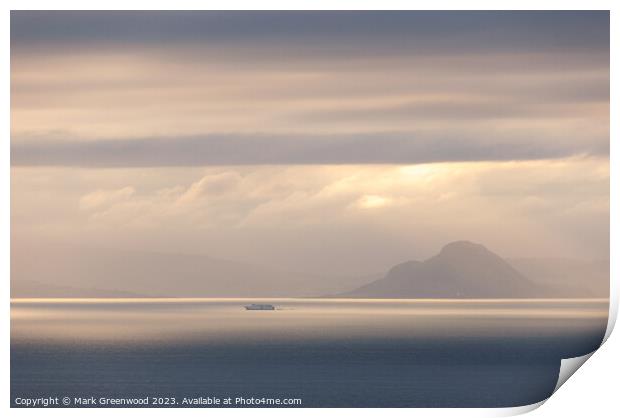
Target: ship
(260, 307)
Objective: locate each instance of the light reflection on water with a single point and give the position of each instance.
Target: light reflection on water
(165, 319)
(330, 352)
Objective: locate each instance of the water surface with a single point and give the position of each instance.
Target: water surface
(327, 352)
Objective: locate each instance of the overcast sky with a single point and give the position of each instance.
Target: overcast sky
(328, 141)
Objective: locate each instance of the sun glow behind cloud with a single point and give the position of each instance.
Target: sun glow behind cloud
(373, 201)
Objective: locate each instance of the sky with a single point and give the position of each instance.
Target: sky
(326, 142)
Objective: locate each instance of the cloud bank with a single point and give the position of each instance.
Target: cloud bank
(386, 148)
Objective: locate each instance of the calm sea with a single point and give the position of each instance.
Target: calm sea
(328, 353)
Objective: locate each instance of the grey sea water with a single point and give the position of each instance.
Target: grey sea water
(328, 353)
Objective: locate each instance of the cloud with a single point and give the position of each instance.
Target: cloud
(219, 150)
(310, 217)
(441, 78)
(104, 198)
(373, 201)
(256, 197)
(376, 31)
(471, 108)
(216, 184)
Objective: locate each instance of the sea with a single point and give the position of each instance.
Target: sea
(305, 353)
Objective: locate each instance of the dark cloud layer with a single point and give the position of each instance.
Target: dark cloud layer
(412, 31)
(386, 148)
(464, 86)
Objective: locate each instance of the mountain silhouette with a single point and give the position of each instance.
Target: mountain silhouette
(462, 269)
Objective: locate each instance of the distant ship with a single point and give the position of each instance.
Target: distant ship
(260, 307)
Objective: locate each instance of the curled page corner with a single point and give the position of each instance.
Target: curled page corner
(568, 367)
(519, 410)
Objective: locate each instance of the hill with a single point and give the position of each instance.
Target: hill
(462, 269)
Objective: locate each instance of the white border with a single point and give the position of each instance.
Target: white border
(593, 392)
